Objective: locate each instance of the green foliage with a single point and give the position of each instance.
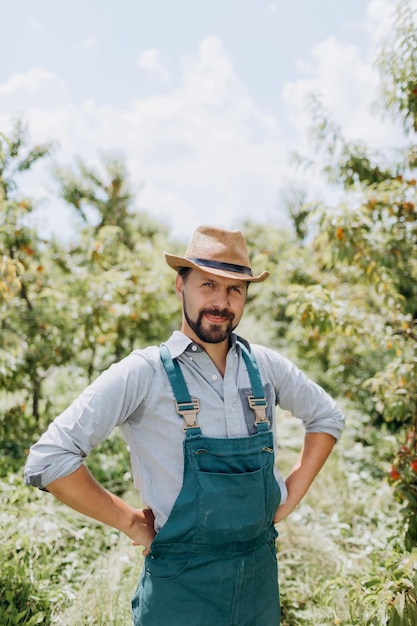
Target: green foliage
(340, 554)
(21, 602)
(118, 274)
(357, 315)
(347, 301)
(360, 317)
(341, 162)
(34, 326)
(367, 299)
(344, 532)
(46, 553)
(385, 596)
(101, 199)
(403, 476)
(110, 464)
(88, 303)
(397, 62)
(16, 431)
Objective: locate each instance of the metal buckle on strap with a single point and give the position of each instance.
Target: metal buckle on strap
(258, 405)
(188, 411)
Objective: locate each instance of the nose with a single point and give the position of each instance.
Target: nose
(221, 298)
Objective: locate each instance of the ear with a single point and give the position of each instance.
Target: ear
(179, 286)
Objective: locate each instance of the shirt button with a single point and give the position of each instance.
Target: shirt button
(214, 377)
(194, 348)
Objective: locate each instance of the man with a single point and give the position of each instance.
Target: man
(198, 415)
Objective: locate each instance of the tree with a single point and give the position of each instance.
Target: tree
(361, 315)
(34, 325)
(80, 305)
(122, 287)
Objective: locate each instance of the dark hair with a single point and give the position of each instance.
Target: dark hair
(183, 272)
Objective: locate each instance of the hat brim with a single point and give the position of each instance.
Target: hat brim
(178, 262)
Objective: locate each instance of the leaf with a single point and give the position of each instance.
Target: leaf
(397, 619)
(412, 612)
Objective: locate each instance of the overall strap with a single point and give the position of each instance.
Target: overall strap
(186, 406)
(257, 400)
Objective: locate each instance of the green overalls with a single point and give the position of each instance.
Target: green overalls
(213, 563)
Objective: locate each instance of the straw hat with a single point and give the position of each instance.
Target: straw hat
(217, 251)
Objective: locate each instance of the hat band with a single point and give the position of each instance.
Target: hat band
(218, 265)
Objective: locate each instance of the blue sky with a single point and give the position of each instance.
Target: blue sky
(204, 99)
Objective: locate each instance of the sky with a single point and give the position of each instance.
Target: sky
(205, 100)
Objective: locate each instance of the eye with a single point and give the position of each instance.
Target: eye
(236, 289)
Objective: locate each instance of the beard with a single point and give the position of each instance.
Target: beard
(215, 333)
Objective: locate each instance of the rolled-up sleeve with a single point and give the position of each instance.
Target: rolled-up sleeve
(90, 419)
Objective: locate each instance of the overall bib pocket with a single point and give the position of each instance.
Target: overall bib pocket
(231, 507)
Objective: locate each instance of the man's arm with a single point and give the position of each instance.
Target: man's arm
(84, 494)
(316, 449)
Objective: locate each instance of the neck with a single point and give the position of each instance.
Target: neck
(218, 354)
(216, 351)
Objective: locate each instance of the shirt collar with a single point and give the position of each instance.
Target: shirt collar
(178, 343)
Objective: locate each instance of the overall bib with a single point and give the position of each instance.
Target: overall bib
(213, 563)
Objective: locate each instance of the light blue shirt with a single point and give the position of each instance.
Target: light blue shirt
(135, 395)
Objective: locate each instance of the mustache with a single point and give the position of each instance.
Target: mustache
(217, 313)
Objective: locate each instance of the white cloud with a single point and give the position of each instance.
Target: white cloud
(205, 146)
(149, 61)
(37, 87)
(35, 23)
(204, 149)
(88, 45)
(209, 78)
(348, 85)
(336, 72)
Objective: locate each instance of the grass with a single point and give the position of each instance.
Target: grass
(104, 599)
(347, 519)
(346, 525)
